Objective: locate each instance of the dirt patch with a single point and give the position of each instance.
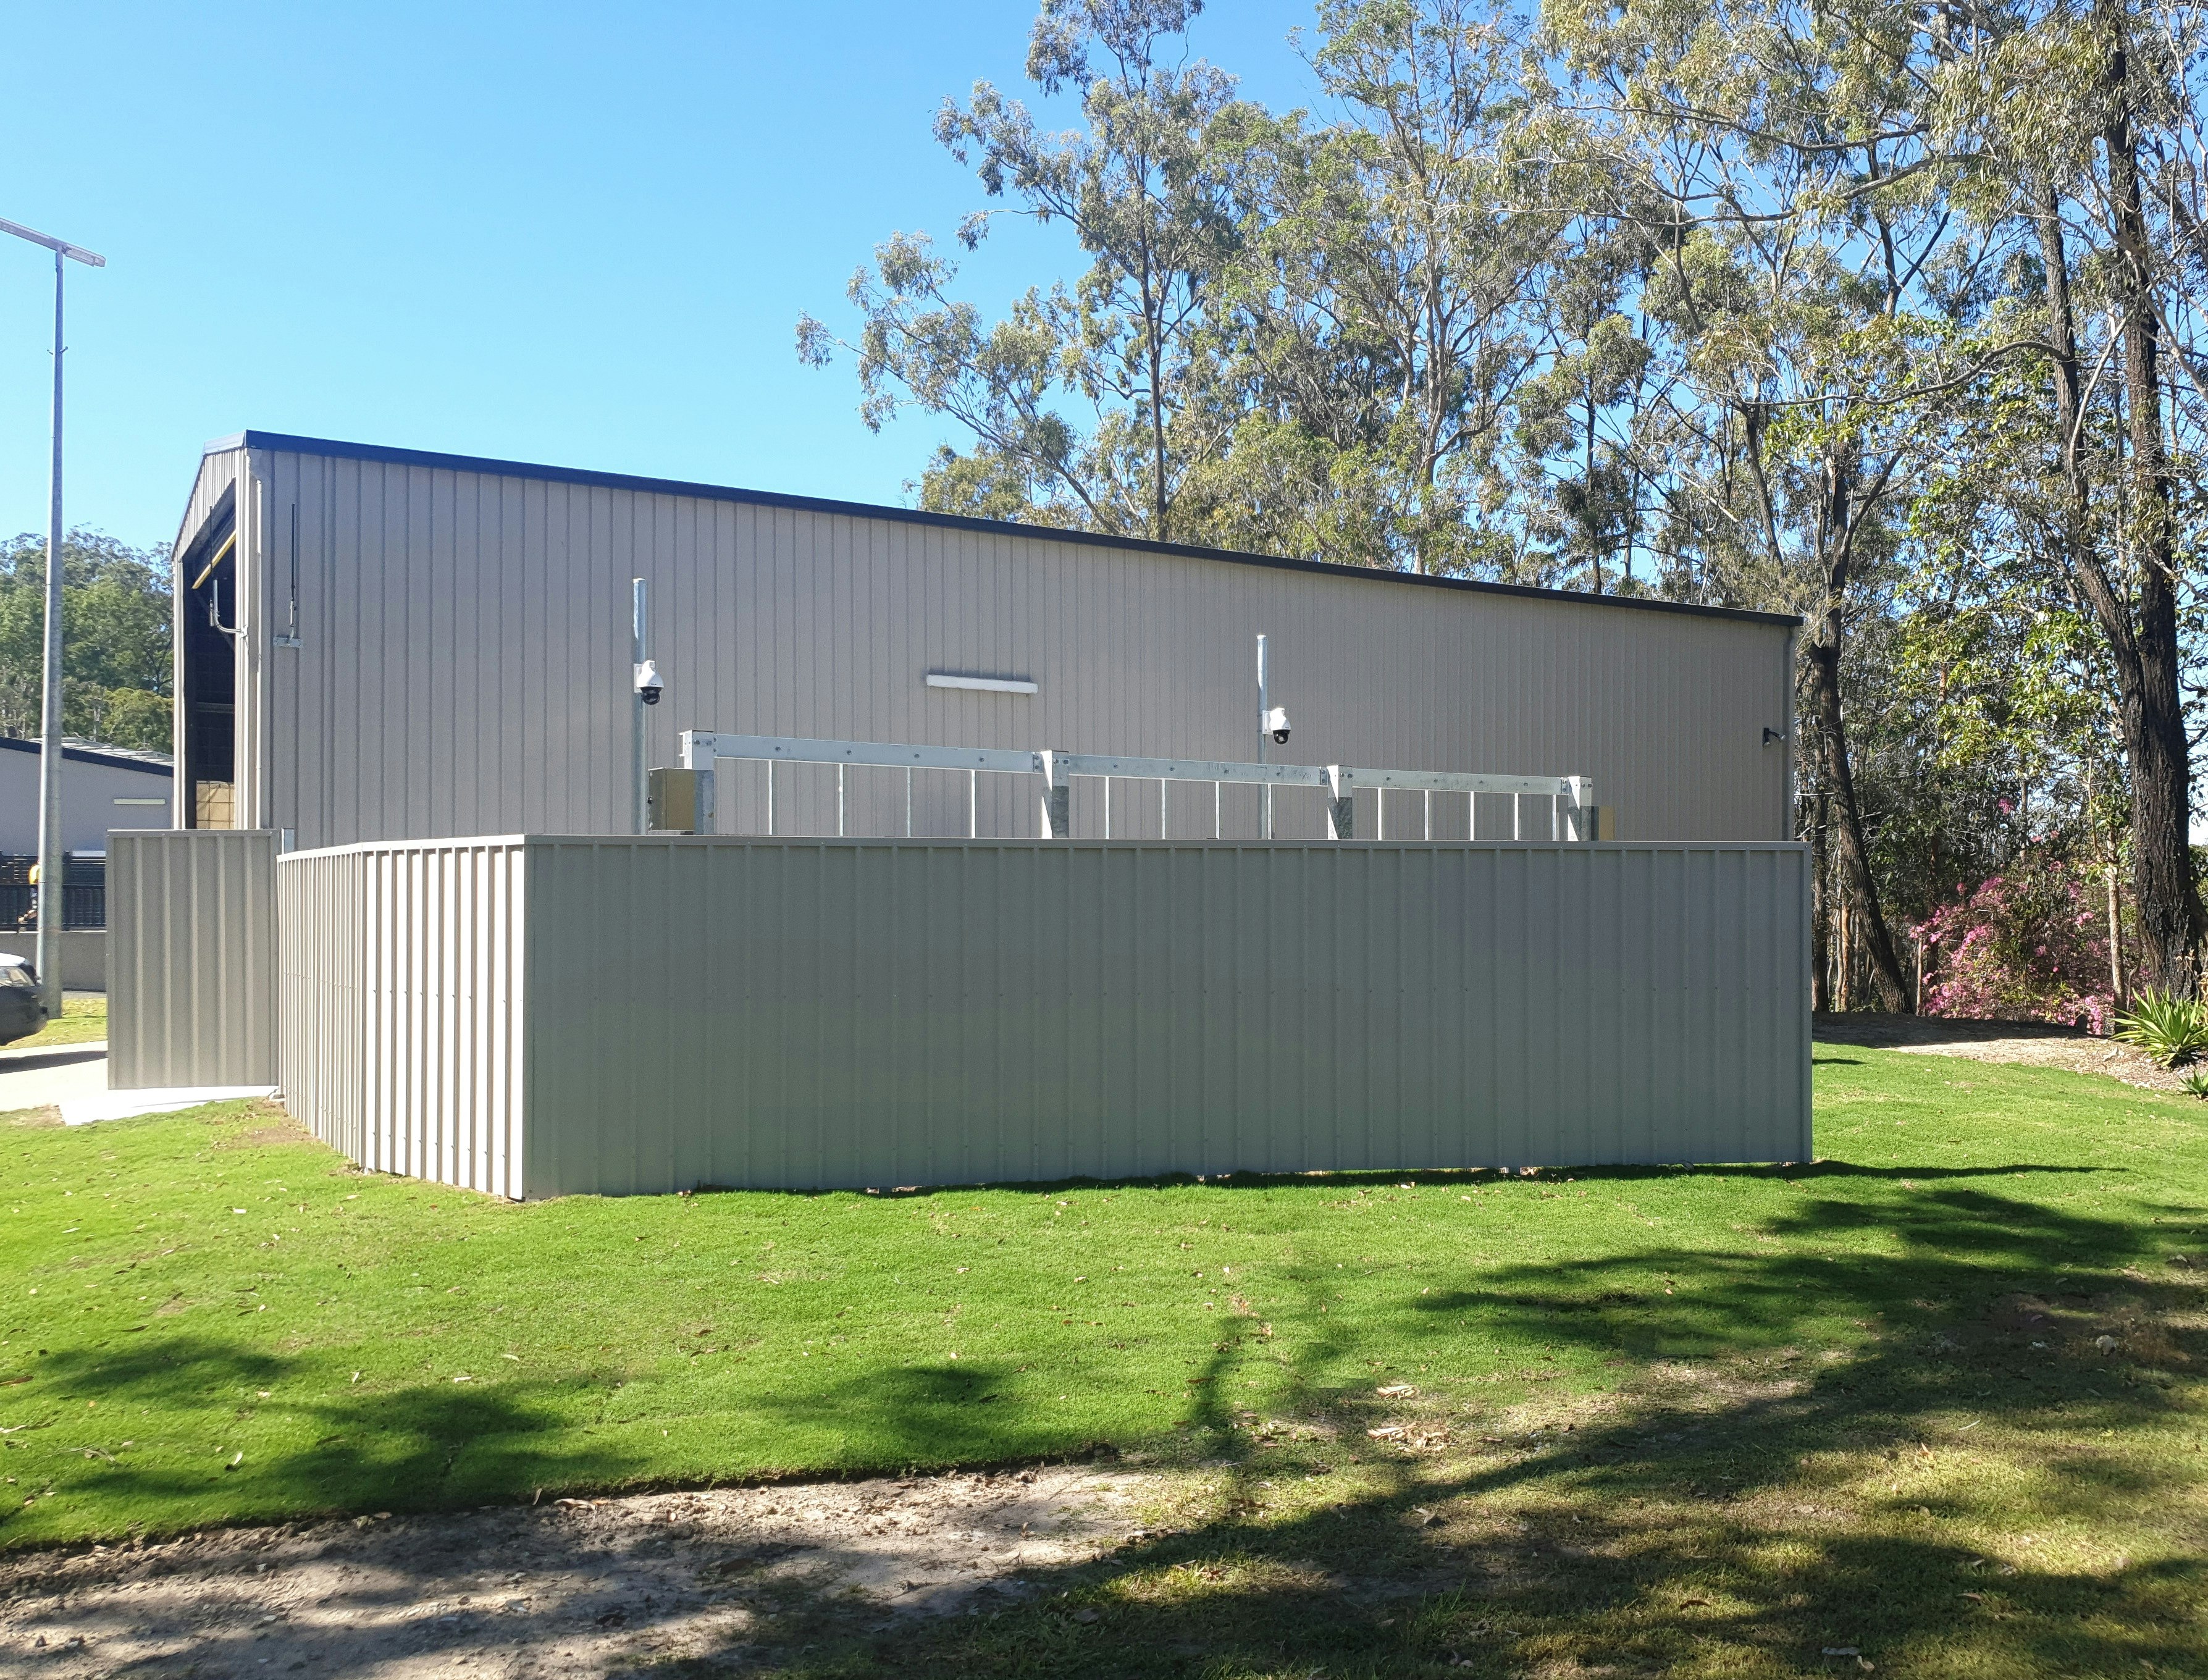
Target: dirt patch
(571, 1587)
(2028, 1043)
(288, 1130)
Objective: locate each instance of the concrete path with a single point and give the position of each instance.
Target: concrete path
(73, 1077)
(46, 1078)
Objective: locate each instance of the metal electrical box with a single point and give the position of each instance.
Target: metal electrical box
(672, 802)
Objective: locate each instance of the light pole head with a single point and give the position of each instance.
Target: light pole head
(58, 247)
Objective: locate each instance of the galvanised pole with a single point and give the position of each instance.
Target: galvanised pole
(49, 953)
(1264, 718)
(639, 650)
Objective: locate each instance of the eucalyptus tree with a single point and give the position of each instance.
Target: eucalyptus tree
(1140, 188)
(2080, 121)
(1576, 420)
(1800, 281)
(1375, 316)
(116, 664)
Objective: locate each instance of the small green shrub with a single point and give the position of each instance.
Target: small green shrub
(2195, 1084)
(2171, 1030)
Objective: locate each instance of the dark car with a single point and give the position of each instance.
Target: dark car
(22, 1010)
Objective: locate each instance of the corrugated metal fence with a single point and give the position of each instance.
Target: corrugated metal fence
(546, 1015)
(401, 1006)
(191, 982)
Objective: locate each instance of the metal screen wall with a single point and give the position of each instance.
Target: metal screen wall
(191, 983)
(553, 1016)
(826, 1013)
(401, 1035)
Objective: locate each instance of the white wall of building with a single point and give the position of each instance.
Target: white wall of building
(100, 791)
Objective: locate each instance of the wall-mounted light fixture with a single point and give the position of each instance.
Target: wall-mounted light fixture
(986, 685)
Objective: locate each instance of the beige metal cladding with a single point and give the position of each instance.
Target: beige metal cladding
(400, 1030)
(462, 663)
(191, 920)
(827, 1013)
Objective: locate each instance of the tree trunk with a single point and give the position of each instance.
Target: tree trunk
(1821, 911)
(2141, 631)
(1845, 986)
(1819, 679)
(1837, 778)
(2117, 999)
(2162, 775)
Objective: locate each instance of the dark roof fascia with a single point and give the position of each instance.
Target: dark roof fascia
(85, 755)
(621, 481)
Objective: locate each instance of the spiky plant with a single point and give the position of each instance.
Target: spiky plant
(2170, 1029)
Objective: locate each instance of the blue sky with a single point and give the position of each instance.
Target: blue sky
(566, 233)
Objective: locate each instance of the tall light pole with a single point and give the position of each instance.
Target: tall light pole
(49, 956)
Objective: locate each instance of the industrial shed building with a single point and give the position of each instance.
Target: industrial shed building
(404, 720)
(379, 644)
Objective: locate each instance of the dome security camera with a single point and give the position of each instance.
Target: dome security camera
(648, 684)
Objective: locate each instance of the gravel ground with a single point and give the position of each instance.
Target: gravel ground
(2032, 1043)
(574, 1586)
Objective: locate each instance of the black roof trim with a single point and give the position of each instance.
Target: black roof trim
(622, 481)
(87, 755)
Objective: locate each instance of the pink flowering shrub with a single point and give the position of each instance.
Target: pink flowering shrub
(2031, 943)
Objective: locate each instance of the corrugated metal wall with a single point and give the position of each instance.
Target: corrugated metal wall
(401, 1035)
(849, 1013)
(463, 665)
(840, 1013)
(191, 986)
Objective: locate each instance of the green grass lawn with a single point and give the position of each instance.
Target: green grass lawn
(83, 1021)
(1935, 1396)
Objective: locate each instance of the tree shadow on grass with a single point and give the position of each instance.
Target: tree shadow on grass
(1553, 1587)
(1736, 1516)
(1450, 1178)
(1732, 1511)
(262, 1443)
(1742, 1511)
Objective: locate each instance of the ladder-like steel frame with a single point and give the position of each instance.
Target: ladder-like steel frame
(1575, 820)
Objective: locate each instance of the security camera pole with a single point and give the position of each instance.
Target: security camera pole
(49, 956)
(640, 658)
(1264, 720)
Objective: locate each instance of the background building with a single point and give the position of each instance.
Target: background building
(102, 788)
